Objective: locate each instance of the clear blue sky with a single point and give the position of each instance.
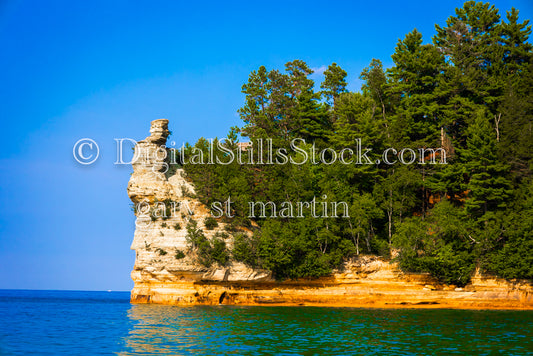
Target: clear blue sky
(73, 69)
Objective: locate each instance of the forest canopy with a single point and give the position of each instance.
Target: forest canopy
(468, 91)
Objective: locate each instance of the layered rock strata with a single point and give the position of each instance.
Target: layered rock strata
(161, 274)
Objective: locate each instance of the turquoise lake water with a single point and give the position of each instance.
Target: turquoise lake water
(93, 323)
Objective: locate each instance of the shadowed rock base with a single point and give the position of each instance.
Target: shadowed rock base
(343, 290)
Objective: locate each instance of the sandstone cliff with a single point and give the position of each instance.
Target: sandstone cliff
(167, 270)
(166, 194)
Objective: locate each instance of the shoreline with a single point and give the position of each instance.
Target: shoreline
(356, 306)
(386, 291)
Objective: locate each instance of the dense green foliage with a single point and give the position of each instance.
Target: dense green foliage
(210, 223)
(179, 254)
(468, 92)
(207, 251)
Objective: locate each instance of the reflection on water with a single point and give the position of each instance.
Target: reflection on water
(304, 330)
(96, 323)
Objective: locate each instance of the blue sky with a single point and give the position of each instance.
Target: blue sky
(104, 70)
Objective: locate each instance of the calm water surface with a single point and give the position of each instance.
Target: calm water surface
(91, 323)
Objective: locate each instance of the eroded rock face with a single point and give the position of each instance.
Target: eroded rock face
(158, 242)
(148, 181)
(161, 275)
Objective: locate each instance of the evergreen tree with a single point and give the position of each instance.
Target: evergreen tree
(334, 83)
(488, 187)
(470, 93)
(414, 79)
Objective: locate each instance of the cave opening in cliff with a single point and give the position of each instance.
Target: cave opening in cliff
(222, 297)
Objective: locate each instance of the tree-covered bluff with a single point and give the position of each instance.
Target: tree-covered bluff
(469, 92)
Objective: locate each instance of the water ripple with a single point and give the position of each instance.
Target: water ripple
(55, 323)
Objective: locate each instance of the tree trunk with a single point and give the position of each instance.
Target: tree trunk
(389, 214)
(497, 122)
(355, 241)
